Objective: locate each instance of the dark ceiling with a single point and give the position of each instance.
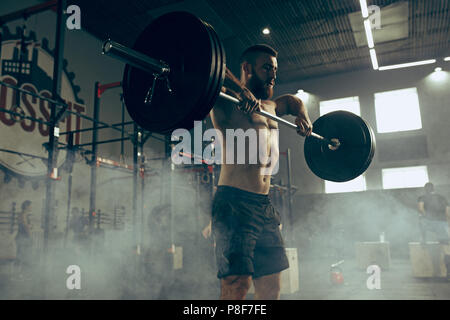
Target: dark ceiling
(313, 37)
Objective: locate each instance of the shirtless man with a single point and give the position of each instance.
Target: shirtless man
(245, 225)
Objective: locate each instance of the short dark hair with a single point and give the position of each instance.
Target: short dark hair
(429, 187)
(26, 204)
(251, 53)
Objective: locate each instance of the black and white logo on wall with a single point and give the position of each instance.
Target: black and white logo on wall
(21, 140)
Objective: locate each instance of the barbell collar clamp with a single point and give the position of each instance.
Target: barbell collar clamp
(151, 90)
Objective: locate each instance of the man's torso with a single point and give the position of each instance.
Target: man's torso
(435, 206)
(254, 174)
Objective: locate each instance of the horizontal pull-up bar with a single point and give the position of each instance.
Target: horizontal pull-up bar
(22, 154)
(21, 116)
(102, 142)
(25, 13)
(103, 87)
(101, 127)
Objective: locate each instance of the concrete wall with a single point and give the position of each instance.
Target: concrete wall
(433, 99)
(323, 222)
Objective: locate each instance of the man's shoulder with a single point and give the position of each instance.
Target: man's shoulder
(286, 99)
(222, 108)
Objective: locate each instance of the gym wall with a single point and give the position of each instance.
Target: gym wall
(376, 210)
(434, 111)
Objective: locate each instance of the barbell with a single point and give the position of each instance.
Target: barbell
(174, 76)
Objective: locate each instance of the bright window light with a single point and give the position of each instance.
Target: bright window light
(350, 104)
(397, 110)
(303, 95)
(447, 59)
(355, 185)
(407, 177)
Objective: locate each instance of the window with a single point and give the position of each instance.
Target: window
(407, 177)
(397, 110)
(303, 95)
(357, 184)
(348, 104)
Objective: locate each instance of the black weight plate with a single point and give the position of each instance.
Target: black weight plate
(353, 156)
(183, 42)
(222, 69)
(206, 105)
(220, 75)
(218, 79)
(219, 66)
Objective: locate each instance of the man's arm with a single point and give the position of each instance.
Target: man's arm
(291, 105)
(447, 213)
(23, 220)
(421, 207)
(206, 232)
(234, 87)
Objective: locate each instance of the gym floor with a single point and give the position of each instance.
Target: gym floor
(397, 283)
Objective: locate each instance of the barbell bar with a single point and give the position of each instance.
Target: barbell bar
(333, 144)
(160, 69)
(174, 75)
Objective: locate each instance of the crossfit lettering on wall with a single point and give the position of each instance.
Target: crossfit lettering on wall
(31, 69)
(33, 107)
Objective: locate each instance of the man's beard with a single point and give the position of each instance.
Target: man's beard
(259, 88)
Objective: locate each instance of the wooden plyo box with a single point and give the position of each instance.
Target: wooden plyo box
(427, 260)
(373, 253)
(178, 258)
(290, 276)
(7, 245)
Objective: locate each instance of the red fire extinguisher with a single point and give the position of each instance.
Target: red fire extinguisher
(336, 275)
